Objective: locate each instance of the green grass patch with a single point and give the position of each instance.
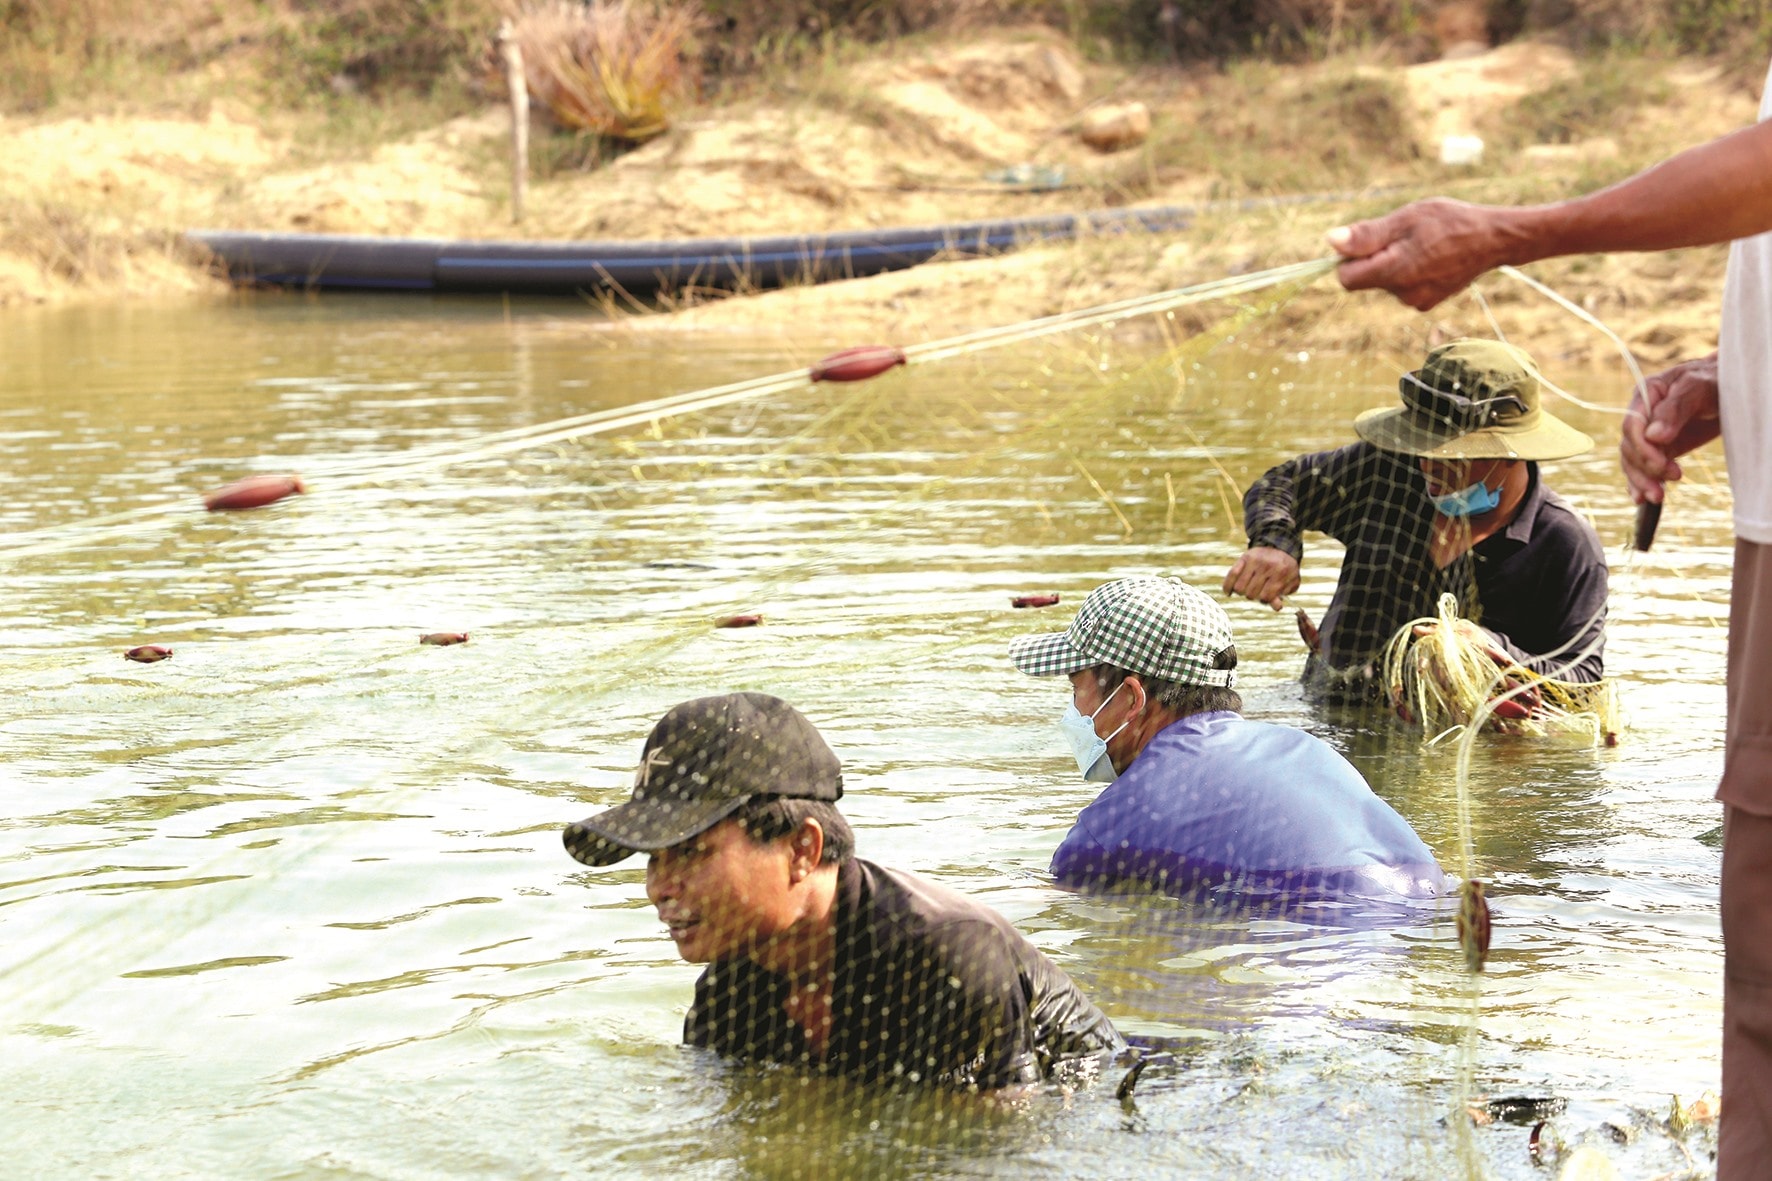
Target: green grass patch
(1255, 133)
(1602, 97)
(380, 45)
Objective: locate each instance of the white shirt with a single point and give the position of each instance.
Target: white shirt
(1744, 376)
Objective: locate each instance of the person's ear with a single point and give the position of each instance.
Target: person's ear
(1138, 696)
(807, 850)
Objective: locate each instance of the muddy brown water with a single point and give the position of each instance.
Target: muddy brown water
(292, 903)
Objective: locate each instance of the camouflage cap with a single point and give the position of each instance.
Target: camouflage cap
(1472, 399)
(1155, 627)
(702, 760)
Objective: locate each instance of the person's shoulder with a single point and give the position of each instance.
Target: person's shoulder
(1568, 526)
(906, 906)
(1235, 725)
(1224, 725)
(729, 976)
(1359, 451)
(1187, 738)
(1280, 747)
(897, 893)
(1225, 743)
(725, 990)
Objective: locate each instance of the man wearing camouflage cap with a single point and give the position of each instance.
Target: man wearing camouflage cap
(1199, 797)
(1442, 495)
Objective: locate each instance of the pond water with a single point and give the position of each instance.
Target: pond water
(293, 903)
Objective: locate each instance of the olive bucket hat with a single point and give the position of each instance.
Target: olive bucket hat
(703, 760)
(1472, 399)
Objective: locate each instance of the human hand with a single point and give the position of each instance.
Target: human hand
(1421, 253)
(1474, 635)
(1674, 412)
(1264, 574)
(1515, 698)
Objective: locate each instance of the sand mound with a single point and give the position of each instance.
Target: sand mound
(125, 165)
(901, 142)
(428, 186)
(1455, 96)
(93, 207)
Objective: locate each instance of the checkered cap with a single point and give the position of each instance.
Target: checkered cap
(1155, 627)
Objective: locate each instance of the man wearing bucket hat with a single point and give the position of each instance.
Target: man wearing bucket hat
(1442, 495)
(1199, 797)
(1716, 192)
(815, 957)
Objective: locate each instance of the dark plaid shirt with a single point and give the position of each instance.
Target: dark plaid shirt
(930, 988)
(1538, 585)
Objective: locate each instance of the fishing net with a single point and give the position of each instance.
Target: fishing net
(1441, 671)
(1133, 999)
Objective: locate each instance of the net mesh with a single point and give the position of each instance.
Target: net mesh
(1440, 671)
(914, 998)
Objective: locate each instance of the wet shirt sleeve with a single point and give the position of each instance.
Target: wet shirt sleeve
(1079, 857)
(738, 1011)
(962, 1021)
(1325, 491)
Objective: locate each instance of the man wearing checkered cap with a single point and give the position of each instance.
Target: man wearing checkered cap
(1199, 798)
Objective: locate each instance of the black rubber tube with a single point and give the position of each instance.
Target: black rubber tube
(343, 261)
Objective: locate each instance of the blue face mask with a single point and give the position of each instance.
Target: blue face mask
(1474, 501)
(1090, 747)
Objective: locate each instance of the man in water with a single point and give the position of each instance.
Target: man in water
(816, 957)
(1720, 191)
(1198, 797)
(1442, 495)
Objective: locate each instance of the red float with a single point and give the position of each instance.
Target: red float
(252, 492)
(1033, 600)
(1512, 708)
(740, 621)
(858, 364)
(1520, 705)
(444, 639)
(148, 653)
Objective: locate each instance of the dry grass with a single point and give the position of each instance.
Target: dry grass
(62, 242)
(770, 35)
(1259, 129)
(612, 68)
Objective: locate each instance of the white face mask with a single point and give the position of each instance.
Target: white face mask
(1090, 747)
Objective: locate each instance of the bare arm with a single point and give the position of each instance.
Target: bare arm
(1429, 250)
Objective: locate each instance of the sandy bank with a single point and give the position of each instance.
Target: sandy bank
(95, 205)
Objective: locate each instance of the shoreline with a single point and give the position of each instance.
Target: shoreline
(99, 203)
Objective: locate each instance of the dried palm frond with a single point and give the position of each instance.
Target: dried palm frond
(612, 67)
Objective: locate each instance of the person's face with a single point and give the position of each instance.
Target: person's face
(1086, 695)
(722, 894)
(1446, 476)
(1120, 704)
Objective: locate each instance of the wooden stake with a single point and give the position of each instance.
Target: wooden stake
(512, 53)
